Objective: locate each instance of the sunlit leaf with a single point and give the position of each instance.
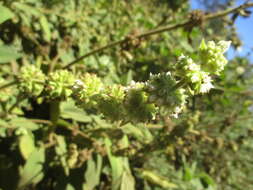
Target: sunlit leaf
(26, 145)
(8, 53)
(5, 14)
(32, 172)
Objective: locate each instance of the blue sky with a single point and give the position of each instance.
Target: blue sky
(244, 29)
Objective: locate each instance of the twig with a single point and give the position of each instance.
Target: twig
(160, 30)
(228, 11)
(8, 85)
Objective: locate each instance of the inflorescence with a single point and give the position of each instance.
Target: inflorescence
(164, 93)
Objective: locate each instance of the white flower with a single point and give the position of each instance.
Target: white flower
(78, 84)
(206, 85)
(195, 77)
(224, 45)
(194, 67)
(134, 85)
(182, 56)
(177, 111)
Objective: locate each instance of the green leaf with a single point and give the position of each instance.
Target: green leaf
(140, 132)
(70, 111)
(61, 151)
(92, 174)
(6, 14)
(202, 45)
(127, 181)
(121, 172)
(32, 172)
(24, 123)
(26, 145)
(156, 179)
(70, 187)
(45, 28)
(30, 10)
(3, 128)
(8, 53)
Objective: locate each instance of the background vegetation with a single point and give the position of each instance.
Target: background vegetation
(47, 143)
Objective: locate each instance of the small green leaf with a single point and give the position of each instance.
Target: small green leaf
(92, 174)
(26, 145)
(202, 45)
(32, 172)
(23, 123)
(6, 14)
(45, 28)
(61, 151)
(30, 10)
(70, 111)
(127, 181)
(70, 187)
(8, 53)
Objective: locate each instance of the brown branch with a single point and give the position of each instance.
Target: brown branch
(186, 23)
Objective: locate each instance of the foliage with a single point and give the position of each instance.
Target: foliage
(153, 112)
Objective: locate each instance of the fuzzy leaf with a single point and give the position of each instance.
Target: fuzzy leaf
(32, 172)
(70, 111)
(26, 145)
(8, 53)
(6, 14)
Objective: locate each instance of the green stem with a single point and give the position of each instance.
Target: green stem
(179, 85)
(54, 112)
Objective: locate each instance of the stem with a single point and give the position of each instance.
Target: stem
(160, 30)
(178, 85)
(95, 51)
(8, 85)
(228, 11)
(54, 112)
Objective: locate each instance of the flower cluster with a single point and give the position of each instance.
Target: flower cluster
(31, 80)
(211, 55)
(139, 101)
(110, 102)
(137, 104)
(86, 89)
(59, 83)
(198, 80)
(165, 92)
(198, 76)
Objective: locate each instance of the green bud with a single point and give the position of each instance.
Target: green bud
(86, 90)
(31, 80)
(59, 84)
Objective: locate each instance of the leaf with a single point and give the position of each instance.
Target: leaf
(92, 174)
(157, 179)
(6, 14)
(140, 132)
(70, 187)
(202, 45)
(120, 167)
(26, 145)
(61, 151)
(3, 128)
(45, 28)
(24, 123)
(32, 172)
(127, 181)
(70, 111)
(8, 53)
(27, 9)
